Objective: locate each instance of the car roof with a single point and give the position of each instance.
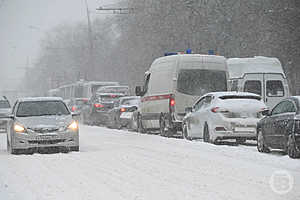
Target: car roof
(30, 99)
(220, 94)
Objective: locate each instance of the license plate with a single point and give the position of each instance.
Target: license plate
(46, 137)
(126, 115)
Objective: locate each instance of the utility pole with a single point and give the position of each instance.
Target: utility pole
(91, 61)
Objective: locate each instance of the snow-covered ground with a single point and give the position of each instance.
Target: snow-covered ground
(116, 165)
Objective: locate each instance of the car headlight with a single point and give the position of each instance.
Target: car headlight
(73, 126)
(19, 128)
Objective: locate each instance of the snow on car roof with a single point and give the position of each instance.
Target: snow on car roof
(220, 94)
(130, 97)
(237, 67)
(27, 99)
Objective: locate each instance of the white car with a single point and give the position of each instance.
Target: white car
(43, 123)
(224, 115)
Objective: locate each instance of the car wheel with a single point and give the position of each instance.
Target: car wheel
(241, 140)
(291, 148)
(185, 134)
(140, 127)
(162, 126)
(75, 148)
(261, 146)
(206, 136)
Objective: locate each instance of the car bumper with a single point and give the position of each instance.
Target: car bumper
(226, 135)
(28, 141)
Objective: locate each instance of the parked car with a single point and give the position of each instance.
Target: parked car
(41, 123)
(76, 104)
(280, 128)
(224, 115)
(4, 110)
(175, 82)
(101, 103)
(260, 75)
(122, 115)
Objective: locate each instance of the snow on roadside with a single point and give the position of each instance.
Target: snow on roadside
(116, 164)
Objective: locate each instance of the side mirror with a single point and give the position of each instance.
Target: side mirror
(188, 109)
(265, 112)
(75, 114)
(138, 91)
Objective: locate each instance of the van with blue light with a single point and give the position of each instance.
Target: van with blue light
(173, 83)
(260, 75)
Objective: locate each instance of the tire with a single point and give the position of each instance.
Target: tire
(261, 146)
(162, 126)
(291, 148)
(206, 136)
(74, 148)
(140, 127)
(241, 140)
(185, 132)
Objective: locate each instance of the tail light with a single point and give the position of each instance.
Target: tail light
(73, 108)
(98, 105)
(172, 103)
(123, 109)
(219, 110)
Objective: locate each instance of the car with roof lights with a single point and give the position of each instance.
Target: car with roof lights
(221, 116)
(42, 124)
(280, 128)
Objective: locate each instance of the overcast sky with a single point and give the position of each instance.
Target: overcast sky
(24, 22)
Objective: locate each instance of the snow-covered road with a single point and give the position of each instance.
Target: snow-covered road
(116, 165)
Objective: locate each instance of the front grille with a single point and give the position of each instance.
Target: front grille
(45, 130)
(46, 141)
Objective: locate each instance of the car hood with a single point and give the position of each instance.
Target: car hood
(48, 122)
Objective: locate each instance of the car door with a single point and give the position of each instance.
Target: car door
(278, 123)
(193, 120)
(203, 113)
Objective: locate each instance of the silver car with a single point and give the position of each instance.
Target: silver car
(43, 123)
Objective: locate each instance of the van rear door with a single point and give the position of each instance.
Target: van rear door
(275, 89)
(253, 83)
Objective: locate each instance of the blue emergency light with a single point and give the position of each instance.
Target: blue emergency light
(188, 51)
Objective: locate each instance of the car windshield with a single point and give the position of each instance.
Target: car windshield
(129, 102)
(4, 104)
(41, 108)
(200, 81)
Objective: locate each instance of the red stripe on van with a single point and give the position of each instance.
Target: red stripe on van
(157, 97)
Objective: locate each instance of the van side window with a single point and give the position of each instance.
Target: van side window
(253, 86)
(275, 88)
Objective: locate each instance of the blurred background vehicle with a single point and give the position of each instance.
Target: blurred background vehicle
(122, 115)
(42, 124)
(224, 115)
(280, 128)
(4, 110)
(260, 75)
(96, 113)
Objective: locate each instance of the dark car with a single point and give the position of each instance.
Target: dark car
(280, 128)
(96, 113)
(122, 115)
(4, 111)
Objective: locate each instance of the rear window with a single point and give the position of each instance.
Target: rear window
(129, 102)
(200, 81)
(4, 104)
(41, 108)
(275, 88)
(240, 97)
(253, 86)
